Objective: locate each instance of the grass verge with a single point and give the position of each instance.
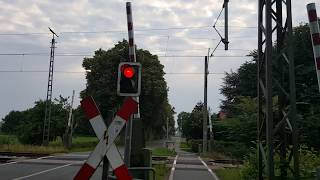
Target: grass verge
(228, 173)
(9, 143)
(162, 171)
(185, 146)
(163, 152)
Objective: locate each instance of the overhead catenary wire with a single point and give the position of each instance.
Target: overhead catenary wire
(162, 56)
(83, 72)
(88, 53)
(120, 31)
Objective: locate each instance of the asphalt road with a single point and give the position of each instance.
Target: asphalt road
(189, 166)
(58, 167)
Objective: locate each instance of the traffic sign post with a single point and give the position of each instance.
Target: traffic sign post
(106, 144)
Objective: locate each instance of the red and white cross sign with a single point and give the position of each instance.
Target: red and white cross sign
(106, 144)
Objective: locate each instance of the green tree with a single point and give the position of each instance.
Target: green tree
(182, 118)
(191, 123)
(101, 84)
(11, 121)
(28, 124)
(242, 126)
(244, 83)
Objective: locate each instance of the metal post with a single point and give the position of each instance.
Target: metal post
(70, 111)
(67, 137)
(274, 126)
(167, 129)
(105, 168)
(136, 117)
(226, 26)
(47, 117)
(293, 107)
(260, 89)
(269, 102)
(205, 114)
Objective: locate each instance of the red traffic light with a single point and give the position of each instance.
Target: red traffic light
(128, 72)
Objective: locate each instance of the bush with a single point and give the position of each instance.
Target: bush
(309, 161)
(231, 148)
(195, 145)
(249, 169)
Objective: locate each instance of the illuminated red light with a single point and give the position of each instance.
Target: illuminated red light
(128, 72)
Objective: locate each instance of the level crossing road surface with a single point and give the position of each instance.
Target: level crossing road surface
(58, 167)
(55, 167)
(189, 166)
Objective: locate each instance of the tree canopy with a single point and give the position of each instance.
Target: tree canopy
(28, 124)
(101, 84)
(243, 83)
(190, 124)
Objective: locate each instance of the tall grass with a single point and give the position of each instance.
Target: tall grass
(10, 143)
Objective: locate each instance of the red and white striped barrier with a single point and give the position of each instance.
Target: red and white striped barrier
(315, 36)
(132, 52)
(107, 137)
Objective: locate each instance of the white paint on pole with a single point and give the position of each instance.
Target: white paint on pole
(315, 36)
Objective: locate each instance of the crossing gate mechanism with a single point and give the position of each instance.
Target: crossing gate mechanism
(106, 137)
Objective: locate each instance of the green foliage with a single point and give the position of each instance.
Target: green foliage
(240, 89)
(10, 143)
(163, 152)
(240, 83)
(231, 149)
(162, 171)
(309, 162)
(191, 123)
(11, 121)
(185, 146)
(309, 128)
(249, 170)
(83, 126)
(101, 84)
(242, 126)
(244, 83)
(228, 173)
(28, 124)
(195, 143)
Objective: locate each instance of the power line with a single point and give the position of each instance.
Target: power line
(88, 53)
(196, 56)
(71, 55)
(83, 72)
(121, 31)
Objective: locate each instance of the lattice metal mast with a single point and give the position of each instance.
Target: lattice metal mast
(46, 126)
(274, 128)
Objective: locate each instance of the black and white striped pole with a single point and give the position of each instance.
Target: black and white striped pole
(132, 58)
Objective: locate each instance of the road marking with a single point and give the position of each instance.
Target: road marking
(8, 163)
(210, 171)
(173, 167)
(15, 162)
(41, 172)
(45, 157)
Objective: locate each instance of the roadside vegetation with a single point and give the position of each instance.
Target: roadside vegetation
(236, 134)
(10, 143)
(163, 152)
(162, 171)
(23, 130)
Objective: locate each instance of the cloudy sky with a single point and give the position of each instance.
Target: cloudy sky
(164, 27)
